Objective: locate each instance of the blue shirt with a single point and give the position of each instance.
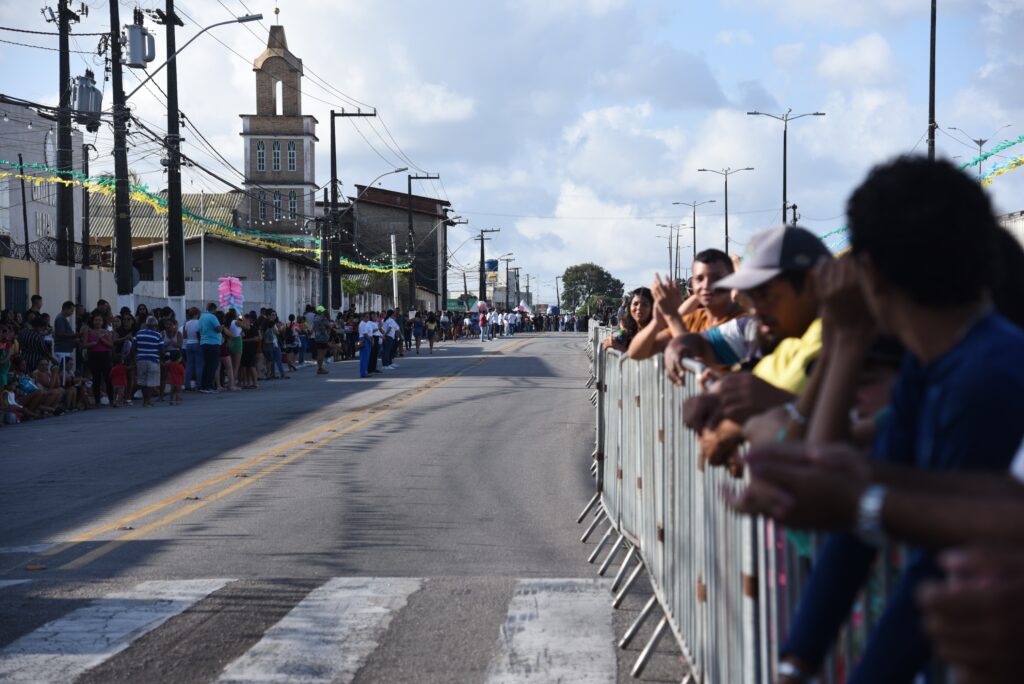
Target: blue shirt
(148, 344)
(209, 332)
(961, 411)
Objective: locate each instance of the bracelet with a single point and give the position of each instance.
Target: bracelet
(794, 414)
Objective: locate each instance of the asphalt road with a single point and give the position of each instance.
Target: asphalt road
(414, 527)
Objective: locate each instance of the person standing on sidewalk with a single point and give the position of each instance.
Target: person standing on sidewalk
(149, 345)
(391, 334)
(365, 343)
(375, 338)
(209, 343)
(321, 329)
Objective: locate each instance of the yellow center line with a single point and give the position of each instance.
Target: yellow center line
(184, 511)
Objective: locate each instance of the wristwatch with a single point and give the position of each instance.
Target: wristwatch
(788, 669)
(868, 525)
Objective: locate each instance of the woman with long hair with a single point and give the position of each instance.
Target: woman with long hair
(247, 362)
(98, 343)
(638, 314)
(431, 330)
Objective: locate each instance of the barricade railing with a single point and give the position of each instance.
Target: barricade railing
(726, 584)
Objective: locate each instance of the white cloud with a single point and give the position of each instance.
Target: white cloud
(866, 61)
(428, 103)
(840, 12)
(733, 38)
(787, 54)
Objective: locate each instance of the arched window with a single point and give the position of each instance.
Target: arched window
(261, 156)
(275, 156)
(293, 205)
(291, 155)
(277, 206)
(261, 210)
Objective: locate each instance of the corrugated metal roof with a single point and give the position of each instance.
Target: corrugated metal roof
(147, 223)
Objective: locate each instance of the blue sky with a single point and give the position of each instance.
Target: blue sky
(573, 125)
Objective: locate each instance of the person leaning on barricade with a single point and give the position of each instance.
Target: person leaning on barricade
(637, 315)
(776, 279)
(928, 260)
(708, 306)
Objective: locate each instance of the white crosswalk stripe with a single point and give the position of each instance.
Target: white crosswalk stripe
(62, 649)
(328, 636)
(556, 631)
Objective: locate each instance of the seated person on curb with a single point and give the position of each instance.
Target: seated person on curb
(956, 406)
(638, 315)
(777, 279)
(706, 308)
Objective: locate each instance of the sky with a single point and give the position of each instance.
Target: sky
(573, 125)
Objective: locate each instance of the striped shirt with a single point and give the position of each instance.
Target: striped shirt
(148, 344)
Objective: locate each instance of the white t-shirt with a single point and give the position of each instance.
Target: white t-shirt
(390, 328)
(365, 329)
(191, 331)
(235, 330)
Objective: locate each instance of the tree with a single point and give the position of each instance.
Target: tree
(584, 281)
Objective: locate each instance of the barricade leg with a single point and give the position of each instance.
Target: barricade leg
(645, 655)
(623, 568)
(628, 585)
(600, 544)
(590, 504)
(593, 526)
(611, 555)
(627, 638)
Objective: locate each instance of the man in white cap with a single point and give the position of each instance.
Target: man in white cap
(775, 276)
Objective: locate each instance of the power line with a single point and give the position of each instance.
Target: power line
(43, 47)
(47, 33)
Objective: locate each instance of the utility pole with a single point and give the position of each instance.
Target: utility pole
(394, 272)
(725, 173)
(24, 204)
(175, 228)
(785, 119)
(65, 194)
(333, 288)
(483, 276)
(931, 88)
(444, 282)
(528, 300)
(558, 297)
(85, 207)
(693, 205)
(507, 260)
(515, 303)
(412, 237)
(324, 257)
(122, 209)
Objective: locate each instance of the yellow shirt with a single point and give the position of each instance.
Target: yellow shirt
(786, 367)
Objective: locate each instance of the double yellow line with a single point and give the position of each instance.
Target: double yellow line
(333, 429)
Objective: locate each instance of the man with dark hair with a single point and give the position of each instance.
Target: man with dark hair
(923, 239)
(64, 340)
(707, 307)
(33, 346)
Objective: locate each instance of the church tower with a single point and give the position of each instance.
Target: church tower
(279, 143)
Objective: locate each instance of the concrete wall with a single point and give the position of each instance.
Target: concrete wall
(57, 284)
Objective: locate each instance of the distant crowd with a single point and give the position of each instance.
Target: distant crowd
(82, 359)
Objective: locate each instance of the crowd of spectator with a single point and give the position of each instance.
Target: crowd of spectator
(881, 396)
(80, 359)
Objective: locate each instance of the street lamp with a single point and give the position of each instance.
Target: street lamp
(725, 173)
(693, 205)
(980, 142)
(785, 119)
(237, 20)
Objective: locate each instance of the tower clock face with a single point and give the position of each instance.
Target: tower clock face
(50, 148)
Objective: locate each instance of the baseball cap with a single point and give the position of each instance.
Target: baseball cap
(770, 252)
(320, 309)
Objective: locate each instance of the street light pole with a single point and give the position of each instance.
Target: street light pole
(725, 173)
(980, 142)
(672, 227)
(693, 205)
(785, 119)
(412, 237)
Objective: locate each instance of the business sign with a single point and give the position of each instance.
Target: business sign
(491, 265)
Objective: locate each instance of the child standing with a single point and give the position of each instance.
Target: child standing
(175, 376)
(119, 379)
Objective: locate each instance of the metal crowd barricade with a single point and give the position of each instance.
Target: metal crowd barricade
(726, 584)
